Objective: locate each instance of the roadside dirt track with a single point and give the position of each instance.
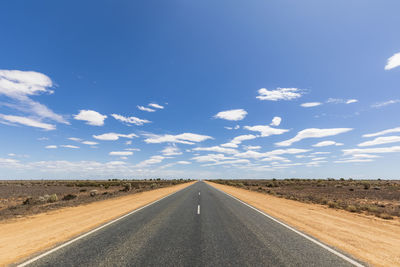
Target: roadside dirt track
(20, 238)
(370, 239)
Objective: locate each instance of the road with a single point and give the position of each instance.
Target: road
(197, 226)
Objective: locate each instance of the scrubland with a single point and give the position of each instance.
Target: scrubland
(19, 198)
(380, 198)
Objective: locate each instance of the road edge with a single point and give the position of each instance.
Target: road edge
(308, 237)
(60, 246)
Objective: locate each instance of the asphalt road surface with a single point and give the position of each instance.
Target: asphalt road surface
(197, 226)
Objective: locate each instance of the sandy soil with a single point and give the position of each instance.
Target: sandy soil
(370, 239)
(20, 238)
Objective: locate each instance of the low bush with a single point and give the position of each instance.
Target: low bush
(69, 197)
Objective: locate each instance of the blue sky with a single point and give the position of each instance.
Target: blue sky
(199, 89)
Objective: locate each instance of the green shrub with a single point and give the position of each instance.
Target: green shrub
(53, 198)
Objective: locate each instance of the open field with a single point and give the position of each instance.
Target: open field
(22, 237)
(380, 198)
(23, 197)
(373, 240)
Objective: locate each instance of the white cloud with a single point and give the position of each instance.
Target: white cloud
(265, 130)
(183, 162)
(146, 109)
(256, 155)
(51, 147)
(393, 130)
(171, 151)
(238, 140)
(132, 149)
(152, 160)
(313, 133)
(276, 121)
(381, 141)
(228, 162)
(75, 139)
(232, 128)
(279, 94)
(232, 115)
(90, 143)
(8, 161)
(130, 120)
(393, 62)
(154, 105)
(217, 149)
(311, 104)
(185, 138)
(11, 119)
(350, 101)
(252, 147)
(320, 153)
(318, 159)
(386, 103)
(91, 117)
(327, 143)
(18, 86)
(120, 153)
(129, 142)
(377, 150)
(113, 136)
(365, 156)
(353, 160)
(341, 101)
(211, 157)
(70, 146)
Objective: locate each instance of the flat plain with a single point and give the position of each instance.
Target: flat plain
(20, 198)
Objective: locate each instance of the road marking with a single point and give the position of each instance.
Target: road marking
(340, 255)
(198, 209)
(199, 193)
(95, 230)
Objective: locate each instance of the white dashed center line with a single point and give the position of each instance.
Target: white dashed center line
(198, 209)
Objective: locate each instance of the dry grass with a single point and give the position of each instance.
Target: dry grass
(377, 197)
(21, 198)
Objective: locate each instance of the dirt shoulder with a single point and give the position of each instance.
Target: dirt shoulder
(22, 237)
(368, 238)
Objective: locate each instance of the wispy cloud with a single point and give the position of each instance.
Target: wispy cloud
(217, 149)
(327, 143)
(152, 160)
(185, 138)
(120, 153)
(130, 120)
(238, 140)
(311, 104)
(393, 62)
(11, 119)
(388, 131)
(385, 103)
(265, 130)
(146, 109)
(155, 105)
(19, 86)
(279, 94)
(113, 136)
(70, 146)
(313, 133)
(377, 150)
(381, 141)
